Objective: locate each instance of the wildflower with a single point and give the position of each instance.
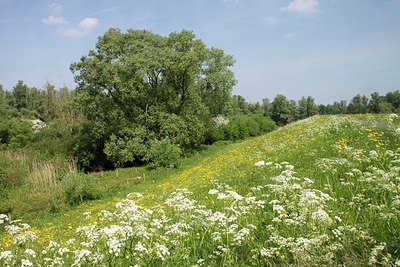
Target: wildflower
(213, 191)
(6, 255)
(61, 251)
(162, 251)
(71, 241)
(392, 117)
(259, 163)
(31, 253)
(26, 263)
(140, 248)
(3, 218)
(216, 236)
(87, 215)
(373, 154)
(321, 216)
(269, 253)
(375, 252)
(337, 218)
(220, 120)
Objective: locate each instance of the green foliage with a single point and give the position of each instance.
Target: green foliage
(307, 108)
(15, 133)
(171, 86)
(77, 188)
(281, 111)
(163, 153)
(358, 105)
(239, 127)
(127, 146)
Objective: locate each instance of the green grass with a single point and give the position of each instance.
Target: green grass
(324, 191)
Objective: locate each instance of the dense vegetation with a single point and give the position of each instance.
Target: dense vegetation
(319, 192)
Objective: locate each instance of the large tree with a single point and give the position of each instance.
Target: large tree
(140, 79)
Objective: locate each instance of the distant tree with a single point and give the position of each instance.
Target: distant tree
(50, 103)
(255, 108)
(267, 107)
(3, 104)
(394, 99)
(36, 102)
(358, 105)
(378, 104)
(306, 107)
(374, 103)
(239, 105)
(20, 95)
(281, 111)
(322, 109)
(336, 107)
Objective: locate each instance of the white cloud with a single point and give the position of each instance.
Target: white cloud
(84, 27)
(56, 9)
(89, 23)
(302, 6)
(56, 16)
(54, 20)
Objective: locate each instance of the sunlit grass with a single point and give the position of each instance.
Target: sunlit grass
(323, 191)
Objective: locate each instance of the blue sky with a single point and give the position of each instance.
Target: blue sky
(329, 49)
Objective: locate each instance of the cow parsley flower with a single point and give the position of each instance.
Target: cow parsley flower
(31, 253)
(259, 163)
(26, 263)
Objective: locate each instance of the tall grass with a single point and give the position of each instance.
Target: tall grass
(46, 176)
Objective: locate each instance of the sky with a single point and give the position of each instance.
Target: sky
(328, 49)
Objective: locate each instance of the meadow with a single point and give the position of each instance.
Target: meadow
(323, 191)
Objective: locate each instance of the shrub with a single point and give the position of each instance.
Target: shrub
(162, 153)
(78, 188)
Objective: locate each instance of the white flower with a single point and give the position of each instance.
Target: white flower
(26, 263)
(161, 251)
(213, 191)
(61, 251)
(220, 120)
(337, 218)
(140, 247)
(31, 253)
(375, 252)
(259, 163)
(392, 117)
(6, 255)
(373, 154)
(3, 218)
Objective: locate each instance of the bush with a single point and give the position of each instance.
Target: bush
(162, 153)
(78, 188)
(240, 127)
(15, 133)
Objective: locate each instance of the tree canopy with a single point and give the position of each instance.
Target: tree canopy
(137, 86)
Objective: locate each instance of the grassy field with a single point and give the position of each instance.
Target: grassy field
(319, 192)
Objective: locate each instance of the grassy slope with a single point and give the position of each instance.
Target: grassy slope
(301, 144)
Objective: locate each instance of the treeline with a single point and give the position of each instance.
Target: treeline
(145, 98)
(65, 133)
(284, 111)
